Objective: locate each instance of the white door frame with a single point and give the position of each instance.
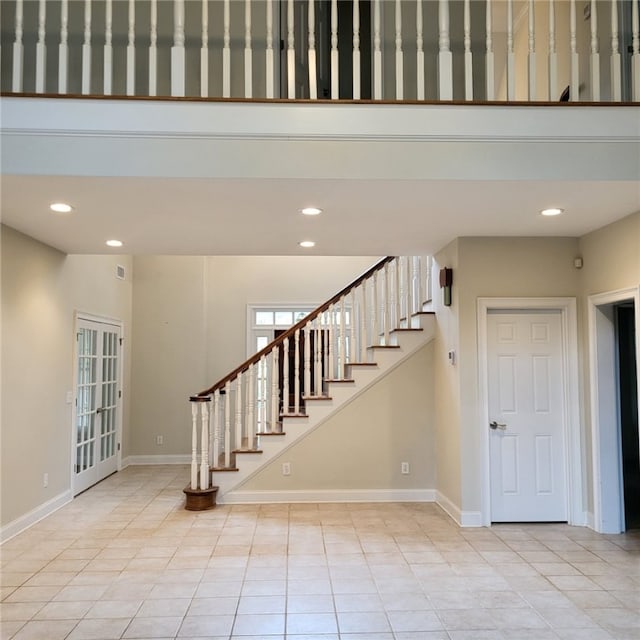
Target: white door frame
(90, 317)
(603, 369)
(573, 449)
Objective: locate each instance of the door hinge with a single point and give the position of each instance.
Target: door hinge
(120, 341)
(118, 446)
(119, 394)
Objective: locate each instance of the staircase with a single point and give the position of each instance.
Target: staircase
(308, 374)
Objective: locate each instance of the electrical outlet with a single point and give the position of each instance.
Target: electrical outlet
(159, 440)
(286, 468)
(45, 480)
(404, 468)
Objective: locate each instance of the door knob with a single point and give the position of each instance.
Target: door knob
(497, 425)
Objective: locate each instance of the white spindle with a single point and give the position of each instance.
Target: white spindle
(41, 48)
(107, 72)
(327, 332)
(131, 50)
(313, 78)
(375, 333)
(635, 56)
(409, 291)
(307, 359)
(239, 411)
(317, 348)
(419, 51)
(490, 78)
(86, 50)
(296, 372)
(217, 429)
(335, 78)
(342, 341)
(616, 62)
(251, 398)
(595, 54)
(332, 337)
(363, 322)
(533, 89)
(63, 47)
(194, 444)
(553, 54)
(420, 280)
(377, 52)
(18, 49)
(511, 56)
(356, 50)
(574, 87)
(396, 288)
(153, 49)
(226, 51)
(248, 54)
(285, 377)
(275, 352)
(445, 57)
(204, 51)
(227, 424)
(468, 56)
(262, 394)
(204, 443)
(428, 279)
(352, 327)
(291, 53)
(399, 54)
(270, 90)
(386, 304)
(177, 50)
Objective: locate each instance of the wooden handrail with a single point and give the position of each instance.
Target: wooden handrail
(298, 325)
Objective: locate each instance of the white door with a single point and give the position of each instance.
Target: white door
(96, 426)
(526, 417)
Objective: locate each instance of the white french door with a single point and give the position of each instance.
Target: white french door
(97, 399)
(526, 416)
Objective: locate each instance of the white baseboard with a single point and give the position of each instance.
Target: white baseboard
(339, 495)
(461, 518)
(178, 458)
(35, 515)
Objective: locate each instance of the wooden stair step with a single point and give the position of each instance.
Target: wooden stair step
(310, 398)
(340, 380)
(219, 469)
(384, 346)
(246, 451)
(272, 433)
(293, 415)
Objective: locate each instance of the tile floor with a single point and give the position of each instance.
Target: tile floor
(125, 560)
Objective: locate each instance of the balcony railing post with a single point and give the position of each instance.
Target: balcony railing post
(445, 57)
(553, 54)
(18, 50)
(86, 50)
(532, 53)
(419, 52)
(635, 56)
(270, 90)
(204, 439)
(511, 56)
(291, 53)
(204, 51)
(377, 52)
(177, 51)
(153, 49)
(616, 62)
(399, 54)
(107, 68)
(490, 82)
(41, 48)
(356, 51)
(200, 409)
(63, 47)
(248, 53)
(226, 51)
(595, 54)
(311, 60)
(574, 87)
(131, 50)
(468, 56)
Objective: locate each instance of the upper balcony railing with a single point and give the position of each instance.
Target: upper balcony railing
(480, 50)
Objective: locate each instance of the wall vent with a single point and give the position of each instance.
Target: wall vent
(120, 272)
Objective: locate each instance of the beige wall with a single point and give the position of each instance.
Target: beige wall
(361, 447)
(189, 328)
(42, 288)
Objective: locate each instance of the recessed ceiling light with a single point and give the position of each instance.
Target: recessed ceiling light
(553, 211)
(307, 244)
(114, 243)
(311, 211)
(61, 207)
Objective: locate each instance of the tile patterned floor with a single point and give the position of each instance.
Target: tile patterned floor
(125, 560)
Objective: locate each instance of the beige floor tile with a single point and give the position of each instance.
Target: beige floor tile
(261, 604)
(99, 629)
(256, 624)
(163, 607)
(63, 610)
(356, 622)
(153, 627)
(33, 594)
(114, 609)
(19, 610)
(45, 630)
(466, 619)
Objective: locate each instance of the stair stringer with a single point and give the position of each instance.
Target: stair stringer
(319, 411)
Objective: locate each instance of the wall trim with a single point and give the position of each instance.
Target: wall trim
(177, 458)
(329, 495)
(35, 515)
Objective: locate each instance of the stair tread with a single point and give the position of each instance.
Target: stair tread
(339, 380)
(362, 364)
(294, 415)
(317, 398)
(247, 451)
(272, 433)
(218, 469)
(407, 329)
(384, 346)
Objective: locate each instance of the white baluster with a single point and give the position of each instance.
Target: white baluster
(342, 341)
(307, 359)
(417, 293)
(63, 47)
(595, 55)
(212, 435)
(153, 49)
(131, 50)
(248, 54)
(332, 335)
(428, 279)
(399, 54)
(468, 56)
(204, 51)
(445, 57)
(296, 372)
(227, 425)
(375, 333)
(107, 70)
(352, 327)
(635, 56)
(41, 48)
(251, 398)
(270, 91)
(490, 77)
(285, 377)
(262, 408)
(553, 54)
(377, 53)
(317, 348)
(217, 429)
(335, 78)
(420, 282)
(226, 52)
(419, 51)
(18, 49)
(396, 295)
(313, 79)
(533, 89)
(204, 440)
(86, 50)
(239, 411)
(616, 62)
(363, 322)
(275, 352)
(511, 56)
(574, 87)
(356, 51)
(291, 53)
(178, 51)
(194, 444)
(409, 276)
(386, 304)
